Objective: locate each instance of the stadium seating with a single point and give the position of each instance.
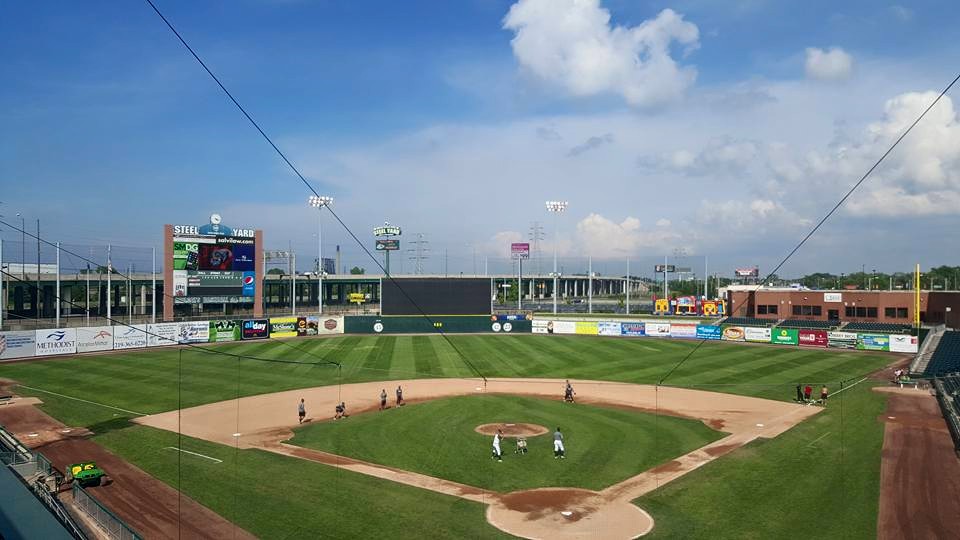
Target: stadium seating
(890, 328)
(948, 395)
(946, 359)
(817, 325)
(748, 321)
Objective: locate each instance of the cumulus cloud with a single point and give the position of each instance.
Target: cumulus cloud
(590, 144)
(602, 237)
(572, 44)
(834, 64)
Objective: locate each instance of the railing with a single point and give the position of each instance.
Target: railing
(113, 526)
(927, 348)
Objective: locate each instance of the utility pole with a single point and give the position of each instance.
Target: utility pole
(536, 235)
(419, 253)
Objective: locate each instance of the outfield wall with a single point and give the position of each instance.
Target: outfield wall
(453, 324)
(800, 337)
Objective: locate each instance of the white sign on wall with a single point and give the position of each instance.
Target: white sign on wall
(129, 337)
(832, 297)
(19, 344)
(56, 341)
(194, 332)
(903, 343)
(761, 335)
(161, 334)
(95, 338)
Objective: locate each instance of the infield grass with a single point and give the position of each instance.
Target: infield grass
(437, 438)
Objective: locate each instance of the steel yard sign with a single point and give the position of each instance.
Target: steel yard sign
(386, 230)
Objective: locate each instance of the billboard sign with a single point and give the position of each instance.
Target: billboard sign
(20, 344)
(873, 342)
(282, 327)
(520, 250)
(95, 338)
(842, 340)
(224, 331)
(129, 337)
(608, 328)
(561, 327)
(683, 330)
(813, 338)
(657, 329)
(632, 329)
(255, 329)
(213, 264)
(386, 230)
(757, 335)
(661, 268)
(903, 343)
(540, 326)
(587, 328)
(193, 332)
(56, 341)
(708, 331)
(388, 245)
(733, 333)
(785, 336)
(161, 334)
(832, 297)
(751, 272)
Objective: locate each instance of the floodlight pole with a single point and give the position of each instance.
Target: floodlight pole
(557, 207)
(153, 287)
(109, 292)
(3, 298)
(628, 286)
(57, 298)
(319, 202)
(590, 284)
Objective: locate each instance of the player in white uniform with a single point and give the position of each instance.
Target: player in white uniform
(497, 454)
(558, 449)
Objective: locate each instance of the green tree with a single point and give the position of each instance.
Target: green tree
(356, 270)
(276, 271)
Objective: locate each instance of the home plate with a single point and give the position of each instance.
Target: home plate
(566, 513)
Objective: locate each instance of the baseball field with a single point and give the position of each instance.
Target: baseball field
(720, 450)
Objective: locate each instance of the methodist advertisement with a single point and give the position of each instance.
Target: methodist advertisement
(255, 329)
(161, 334)
(813, 338)
(587, 328)
(873, 342)
(129, 337)
(194, 332)
(656, 329)
(903, 343)
(18, 344)
(785, 336)
(96, 338)
(842, 340)
(56, 341)
(733, 333)
(707, 331)
(608, 328)
(632, 329)
(224, 331)
(683, 330)
(283, 327)
(758, 335)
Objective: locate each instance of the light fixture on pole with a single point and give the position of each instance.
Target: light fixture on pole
(557, 207)
(319, 202)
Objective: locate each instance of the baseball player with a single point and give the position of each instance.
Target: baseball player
(568, 392)
(558, 449)
(399, 396)
(383, 398)
(497, 454)
(301, 410)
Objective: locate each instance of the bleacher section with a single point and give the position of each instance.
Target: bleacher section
(887, 328)
(948, 394)
(748, 321)
(946, 357)
(815, 325)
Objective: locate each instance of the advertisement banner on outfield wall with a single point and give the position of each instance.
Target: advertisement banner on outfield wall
(161, 334)
(255, 329)
(873, 342)
(283, 327)
(903, 343)
(785, 336)
(95, 338)
(708, 331)
(194, 332)
(129, 337)
(632, 329)
(759, 335)
(733, 333)
(587, 328)
(324, 325)
(561, 327)
(56, 341)
(657, 329)
(813, 338)
(540, 326)
(224, 331)
(683, 330)
(842, 340)
(18, 344)
(608, 328)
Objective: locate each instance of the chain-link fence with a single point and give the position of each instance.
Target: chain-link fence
(113, 526)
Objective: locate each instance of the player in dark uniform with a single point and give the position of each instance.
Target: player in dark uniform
(568, 392)
(399, 396)
(301, 410)
(383, 399)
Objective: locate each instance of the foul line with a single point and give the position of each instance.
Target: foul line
(193, 453)
(817, 439)
(848, 387)
(80, 399)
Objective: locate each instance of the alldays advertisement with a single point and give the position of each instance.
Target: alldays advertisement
(18, 344)
(129, 337)
(255, 329)
(95, 338)
(903, 343)
(759, 335)
(56, 341)
(161, 334)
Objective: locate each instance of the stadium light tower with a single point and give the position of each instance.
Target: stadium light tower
(557, 207)
(319, 202)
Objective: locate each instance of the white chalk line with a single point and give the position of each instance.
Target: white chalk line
(848, 387)
(83, 400)
(817, 439)
(193, 453)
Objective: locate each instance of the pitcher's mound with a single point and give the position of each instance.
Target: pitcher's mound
(567, 513)
(512, 430)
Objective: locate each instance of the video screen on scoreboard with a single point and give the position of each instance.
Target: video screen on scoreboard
(435, 296)
(219, 269)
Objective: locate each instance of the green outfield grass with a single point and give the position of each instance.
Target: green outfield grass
(604, 446)
(258, 497)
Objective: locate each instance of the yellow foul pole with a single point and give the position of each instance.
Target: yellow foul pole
(916, 297)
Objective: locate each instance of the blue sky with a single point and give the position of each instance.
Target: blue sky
(729, 141)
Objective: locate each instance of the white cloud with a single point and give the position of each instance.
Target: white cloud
(828, 65)
(603, 238)
(590, 144)
(724, 155)
(572, 44)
